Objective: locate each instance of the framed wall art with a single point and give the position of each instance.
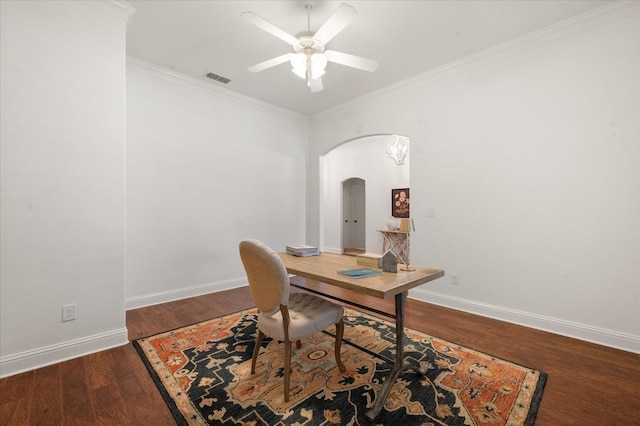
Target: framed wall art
(400, 202)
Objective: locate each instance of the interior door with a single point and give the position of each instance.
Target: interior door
(353, 216)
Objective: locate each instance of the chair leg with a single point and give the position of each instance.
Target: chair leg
(298, 344)
(287, 368)
(339, 334)
(256, 350)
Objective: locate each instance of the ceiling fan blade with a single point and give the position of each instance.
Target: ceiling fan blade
(342, 17)
(270, 63)
(316, 85)
(269, 27)
(352, 61)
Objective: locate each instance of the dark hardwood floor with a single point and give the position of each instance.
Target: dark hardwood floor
(587, 384)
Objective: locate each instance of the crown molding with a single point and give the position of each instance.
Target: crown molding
(592, 19)
(219, 91)
(117, 8)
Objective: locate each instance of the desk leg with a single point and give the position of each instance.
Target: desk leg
(399, 366)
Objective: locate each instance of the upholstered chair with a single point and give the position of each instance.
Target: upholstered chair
(282, 315)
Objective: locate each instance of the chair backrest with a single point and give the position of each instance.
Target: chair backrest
(267, 275)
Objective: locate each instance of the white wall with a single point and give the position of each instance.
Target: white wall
(529, 156)
(62, 140)
(367, 159)
(205, 169)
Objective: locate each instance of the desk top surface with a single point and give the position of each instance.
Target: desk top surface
(324, 268)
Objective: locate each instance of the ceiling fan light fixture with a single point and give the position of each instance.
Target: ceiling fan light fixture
(310, 58)
(299, 65)
(318, 65)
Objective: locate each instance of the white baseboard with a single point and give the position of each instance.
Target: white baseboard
(48, 355)
(336, 250)
(182, 293)
(53, 354)
(601, 336)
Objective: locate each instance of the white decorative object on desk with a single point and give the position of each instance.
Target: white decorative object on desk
(390, 262)
(393, 224)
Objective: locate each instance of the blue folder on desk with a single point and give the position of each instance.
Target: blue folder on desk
(360, 272)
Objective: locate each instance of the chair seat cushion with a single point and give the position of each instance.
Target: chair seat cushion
(308, 315)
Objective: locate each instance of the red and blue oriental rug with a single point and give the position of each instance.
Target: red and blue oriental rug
(203, 373)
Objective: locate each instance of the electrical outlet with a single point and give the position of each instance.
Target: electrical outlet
(68, 312)
(454, 278)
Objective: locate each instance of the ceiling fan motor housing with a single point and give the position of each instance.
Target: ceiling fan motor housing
(307, 44)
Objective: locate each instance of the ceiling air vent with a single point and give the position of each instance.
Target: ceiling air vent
(217, 77)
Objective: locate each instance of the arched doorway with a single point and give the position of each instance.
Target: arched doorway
(365, 158)
(354, 216)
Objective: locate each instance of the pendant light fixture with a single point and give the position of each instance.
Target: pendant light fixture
(398, 148)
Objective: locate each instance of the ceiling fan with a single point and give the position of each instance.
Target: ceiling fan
(310, 58)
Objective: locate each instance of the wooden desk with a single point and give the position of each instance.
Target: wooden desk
(324, 268)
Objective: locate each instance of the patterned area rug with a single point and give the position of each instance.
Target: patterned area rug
(203, 373)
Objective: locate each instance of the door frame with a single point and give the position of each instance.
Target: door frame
(346, 191)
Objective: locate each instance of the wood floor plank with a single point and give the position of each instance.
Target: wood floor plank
(143, 402)
(108, 403)
(15, 413)
(14, 388)
(77, 406)
(15, 398)
(588, 384)
(46, 402)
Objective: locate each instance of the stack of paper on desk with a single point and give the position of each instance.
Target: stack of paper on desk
(303, 250)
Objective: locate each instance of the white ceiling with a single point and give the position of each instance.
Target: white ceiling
(408, 38)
